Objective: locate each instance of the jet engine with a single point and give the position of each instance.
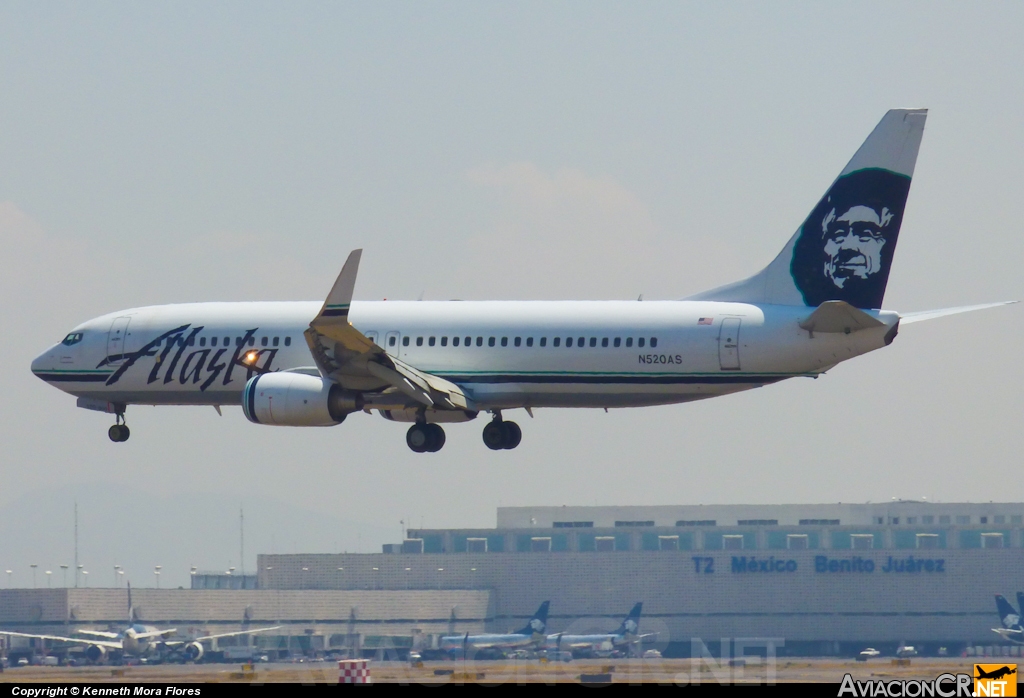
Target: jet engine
(95, 653)
(297, 400)
(193, 651)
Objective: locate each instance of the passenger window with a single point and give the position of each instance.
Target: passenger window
(263, 341)
(581, 342)
(629, 341)
(276, 340)
(252, 341)
(202, 341)
(391, 341)
(529, 341)
(419, 341)
(287, 341)
(213, 341)
(640, 342)
(568, 341)
(431, 341)
(444, 341)
(556, 341)
(490, 341)
(593, 341)
(455, 341)
(227, 342)
(191, 341)
(469, 340)
(518, 341)
(504, 341)
(604, 342)
(405, 341)
(543, 341)
(618, 341)
(479, 341)
(654, 342)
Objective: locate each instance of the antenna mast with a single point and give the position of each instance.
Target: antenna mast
(76, 543)
(241, 539)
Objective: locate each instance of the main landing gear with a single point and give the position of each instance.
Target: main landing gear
(425, 438)
(119, 431)
(500, 434)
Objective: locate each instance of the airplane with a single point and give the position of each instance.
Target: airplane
(138, 640)
(818, 303)
(530, 635)
(625, 636)
(994, 674)
(1010, 619)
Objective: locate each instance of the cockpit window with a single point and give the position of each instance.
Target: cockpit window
(73, 338)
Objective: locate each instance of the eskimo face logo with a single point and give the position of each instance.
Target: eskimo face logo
(846, 245)
(537, 625)
(631, 626)
(854, 242)
(1011, 620)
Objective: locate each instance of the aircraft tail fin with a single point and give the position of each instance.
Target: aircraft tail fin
(632, 622)
(844, 249)
(1008, 615)
(538, 623)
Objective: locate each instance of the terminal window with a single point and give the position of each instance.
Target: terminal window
(963, 520)
(757, 522)
(573, 524)
(702, 522)
(819, 522)
(540, 545)
(991, 540)
(412, 545)
(604, 544)
(927, 520)
(999, 519)
(1016, 519)
(732, 542)
(476, 545)
(862, 541)
(797, 541)
(927, 541)
(672, 542)
(633, 523)
(944, 519)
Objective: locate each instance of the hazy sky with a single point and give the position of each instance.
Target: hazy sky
(167, 152)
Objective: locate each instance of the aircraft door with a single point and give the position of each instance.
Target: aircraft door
(117, 340)
(393, 343)
(729, 344)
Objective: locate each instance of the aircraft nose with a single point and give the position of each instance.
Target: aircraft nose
(43, 363)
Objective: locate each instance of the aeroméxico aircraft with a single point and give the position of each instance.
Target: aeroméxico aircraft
(310, 364)
(1009, 617)
(625, 636)
(138, 640)
(530, 635)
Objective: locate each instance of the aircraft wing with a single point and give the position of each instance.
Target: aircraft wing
(77, 640)
(98, 633)
(156, 633)
(237, 632)
(347, 356)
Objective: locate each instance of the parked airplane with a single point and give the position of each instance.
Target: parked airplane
(1010, 619)
(624, 637)
(139, 640)
(530, 635)
(310, 364)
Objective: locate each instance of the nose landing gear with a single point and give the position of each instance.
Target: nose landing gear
(501, 435)
(119, 431)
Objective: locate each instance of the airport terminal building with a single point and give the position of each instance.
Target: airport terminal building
(819, 578)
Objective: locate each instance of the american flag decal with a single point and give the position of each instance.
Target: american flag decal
(705, 320)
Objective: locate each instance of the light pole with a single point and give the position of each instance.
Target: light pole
(341, 584)
(64, 569)
(33, 566)
(407, 569)
(375, 577)
(48, 573)
(85, 576)
(120, 573)
(305, 578)
(439, 571)
(117, 580)
(156, 573)
(9, 582)
(78, 571)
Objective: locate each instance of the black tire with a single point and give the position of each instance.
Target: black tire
(418, 438)
(494, 436)
(114, 432)
(125, 432)
(437, 437)
(513, 435)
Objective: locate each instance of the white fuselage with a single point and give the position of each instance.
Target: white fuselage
(504, 354)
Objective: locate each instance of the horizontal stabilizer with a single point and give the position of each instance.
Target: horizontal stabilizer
(943, 312)
(838, 316)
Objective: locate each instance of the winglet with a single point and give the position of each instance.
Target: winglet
(340, 297)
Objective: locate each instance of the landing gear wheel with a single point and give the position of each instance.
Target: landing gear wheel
(437, 437)
(418, 438)
(513, 435)
(118, 433)
(494, 435)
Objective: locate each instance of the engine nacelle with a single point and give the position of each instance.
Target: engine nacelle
(297, 400)
(432, 416)
(95, 653)
(194, 651)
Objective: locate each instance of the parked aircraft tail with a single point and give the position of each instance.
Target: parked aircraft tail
(632, 622)
(844, 249)
(538, 623)
(1008, 615)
